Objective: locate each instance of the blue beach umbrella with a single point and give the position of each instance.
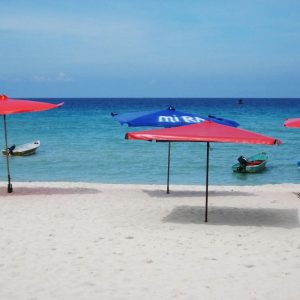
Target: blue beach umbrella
(166, 118)
(169, 117)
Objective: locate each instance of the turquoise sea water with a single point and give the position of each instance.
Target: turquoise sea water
(81, 142)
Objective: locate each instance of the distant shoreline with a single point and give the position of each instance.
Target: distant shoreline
(175, 187)
(138, 184)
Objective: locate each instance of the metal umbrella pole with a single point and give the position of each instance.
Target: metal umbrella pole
(168, 177)
(9, 185)
(207, 169)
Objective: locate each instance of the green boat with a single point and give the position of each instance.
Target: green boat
(252, 164)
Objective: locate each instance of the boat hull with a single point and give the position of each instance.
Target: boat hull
(24, 150)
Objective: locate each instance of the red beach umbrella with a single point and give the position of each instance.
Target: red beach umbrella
(203, 132)
(292, 122)
(13, 106)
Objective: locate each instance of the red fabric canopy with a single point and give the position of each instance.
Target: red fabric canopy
(292, 122)
(13, 106)
(203, 132)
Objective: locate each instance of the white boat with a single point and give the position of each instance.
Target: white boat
(22, 150)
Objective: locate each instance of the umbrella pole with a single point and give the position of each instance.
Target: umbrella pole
(168, 177)
(9, 185)
(207, 169)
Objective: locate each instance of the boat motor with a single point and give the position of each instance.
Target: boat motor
(11, 149)
(243, 161)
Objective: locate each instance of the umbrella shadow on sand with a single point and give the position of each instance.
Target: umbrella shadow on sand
(182, 194)
(27, 191)
(233, 216)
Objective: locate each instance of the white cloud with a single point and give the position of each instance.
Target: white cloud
(60, 77)
(70, 25)
(40, 78)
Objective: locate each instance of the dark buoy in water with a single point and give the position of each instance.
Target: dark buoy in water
(240, 101)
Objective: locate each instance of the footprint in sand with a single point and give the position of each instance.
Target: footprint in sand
(249, 266)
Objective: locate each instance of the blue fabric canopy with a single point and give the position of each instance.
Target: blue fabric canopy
(166, 118)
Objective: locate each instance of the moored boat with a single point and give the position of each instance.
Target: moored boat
(22, 150)
(252, 164)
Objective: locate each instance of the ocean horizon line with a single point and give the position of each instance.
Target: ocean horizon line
(153, 98)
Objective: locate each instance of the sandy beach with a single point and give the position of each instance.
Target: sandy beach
(102, 241)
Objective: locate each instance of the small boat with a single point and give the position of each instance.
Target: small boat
(22, 150)
(252, 164)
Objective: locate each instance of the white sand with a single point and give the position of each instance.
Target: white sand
(95, 241)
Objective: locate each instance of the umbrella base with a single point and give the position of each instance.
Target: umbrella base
(9, 188)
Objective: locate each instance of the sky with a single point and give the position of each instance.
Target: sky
(175, 48)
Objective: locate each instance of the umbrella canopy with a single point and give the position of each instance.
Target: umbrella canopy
(166, 118)
(292, 123)
(13, 106)
(204, 132)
